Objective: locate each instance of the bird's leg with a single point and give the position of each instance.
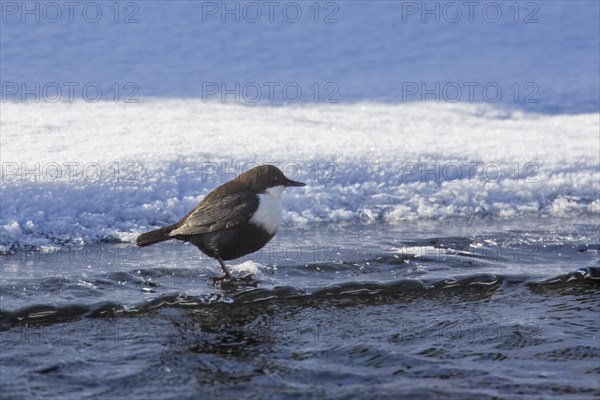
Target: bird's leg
(227, 276)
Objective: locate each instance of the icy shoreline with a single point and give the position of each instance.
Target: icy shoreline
(83, 173)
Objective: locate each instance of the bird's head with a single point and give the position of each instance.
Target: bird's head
(267, 178)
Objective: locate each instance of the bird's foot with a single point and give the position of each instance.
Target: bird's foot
(232, 281)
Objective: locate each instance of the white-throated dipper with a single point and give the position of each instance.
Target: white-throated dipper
(237, 218)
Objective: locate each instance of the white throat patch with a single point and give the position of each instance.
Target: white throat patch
(269, 212)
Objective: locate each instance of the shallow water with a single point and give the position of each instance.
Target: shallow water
(456, 309)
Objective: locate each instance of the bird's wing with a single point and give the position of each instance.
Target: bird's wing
(228, 212)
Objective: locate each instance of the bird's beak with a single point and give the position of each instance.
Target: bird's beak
(290, 182)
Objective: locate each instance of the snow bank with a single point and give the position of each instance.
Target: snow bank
(81, 173)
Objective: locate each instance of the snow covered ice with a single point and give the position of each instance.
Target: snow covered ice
(364, 162)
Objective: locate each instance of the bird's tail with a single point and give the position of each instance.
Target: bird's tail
(156, 236)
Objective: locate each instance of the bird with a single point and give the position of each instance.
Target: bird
(237, 218)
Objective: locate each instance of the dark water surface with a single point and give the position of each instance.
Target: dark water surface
(456, 309)
(365, 51)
